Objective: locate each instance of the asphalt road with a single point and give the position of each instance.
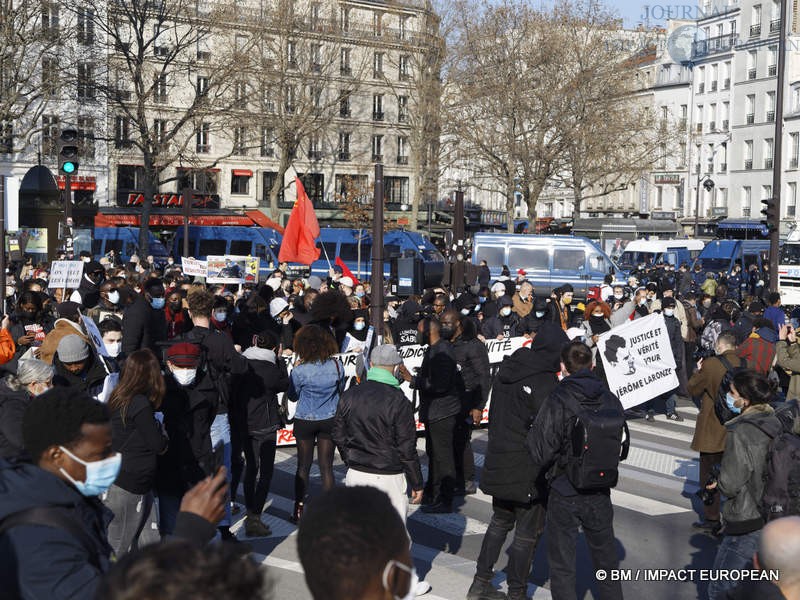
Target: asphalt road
(654, 510)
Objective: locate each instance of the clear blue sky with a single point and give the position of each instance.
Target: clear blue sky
(634, 12)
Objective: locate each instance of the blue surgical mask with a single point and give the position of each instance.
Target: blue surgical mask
(730, 401)
(100, 474)
(481, 299)
(220, 316)
(539, 314)
(157, 303)
(359, 326)
(359, 294)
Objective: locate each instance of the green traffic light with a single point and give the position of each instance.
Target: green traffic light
(68, 167)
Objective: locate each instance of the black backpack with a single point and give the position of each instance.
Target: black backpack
(598, 441)
(782, 478)
(725, 414)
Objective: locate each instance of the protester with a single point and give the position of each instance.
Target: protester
(29, 323)
(176, 316)
(316, 382)
(139, 438)
(77, 366)
(109, 303)
(145, 325)
(68, 323)
(33, 377)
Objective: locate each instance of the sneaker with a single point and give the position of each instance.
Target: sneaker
(483, 590)
(469, 488)
(707, 525)
(255, 527)
(650, 416)
(674, 417)
(437, 508)
(423, 587)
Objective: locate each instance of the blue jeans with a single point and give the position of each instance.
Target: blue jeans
(221, 434)
(169, 506)
(735, 553)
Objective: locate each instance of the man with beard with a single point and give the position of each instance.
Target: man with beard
(109, 303)
(88, 293)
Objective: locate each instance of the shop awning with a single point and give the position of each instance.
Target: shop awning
(259, 218)
(242, 173)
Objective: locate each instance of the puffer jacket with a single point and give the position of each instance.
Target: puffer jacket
(525, 379)
(472, 358)
(741, 477)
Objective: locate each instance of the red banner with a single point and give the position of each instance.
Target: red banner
(83, 183)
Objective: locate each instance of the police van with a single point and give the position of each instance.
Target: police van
(550, 261)
(651, 252)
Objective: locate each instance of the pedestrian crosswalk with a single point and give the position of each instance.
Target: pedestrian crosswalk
(658, 479)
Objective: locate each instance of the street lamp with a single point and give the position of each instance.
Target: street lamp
(707, 182)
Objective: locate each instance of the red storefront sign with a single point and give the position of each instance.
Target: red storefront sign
(81, 183)
(170, 201)
(102, 220)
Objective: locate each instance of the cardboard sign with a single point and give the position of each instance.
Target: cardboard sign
(65, 274)
(94, 334)
(638, 360)
(232, 269)
(194, 267)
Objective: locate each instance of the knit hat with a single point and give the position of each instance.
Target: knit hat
(346, 281)
(499, 288)
(274, 283)
(521, 272)
(668, 302)
(184, 355)
(385, 355)
(72, 349)
(68, 310)
(314, 282)
(277, 306)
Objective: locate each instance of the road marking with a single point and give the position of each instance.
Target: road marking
(644, 505)
(653, 429)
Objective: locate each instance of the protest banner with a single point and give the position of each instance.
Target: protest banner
(65, 274)
(194, 267)
(232, 269)
(353, 363)
(638, 360)
(94, 334)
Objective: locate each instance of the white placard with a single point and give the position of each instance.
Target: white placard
(65, 274)
(638, 360)
(194, 267)
(94, 334)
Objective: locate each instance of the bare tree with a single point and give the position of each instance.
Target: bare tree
(167, 91)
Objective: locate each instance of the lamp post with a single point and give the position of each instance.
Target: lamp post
(708, 185)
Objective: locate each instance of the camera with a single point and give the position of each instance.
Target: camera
(706, 495)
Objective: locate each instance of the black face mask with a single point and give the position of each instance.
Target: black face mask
(27, 314)
(175, 306)
(446, 332)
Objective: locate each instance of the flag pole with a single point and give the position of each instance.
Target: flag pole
(330, 266)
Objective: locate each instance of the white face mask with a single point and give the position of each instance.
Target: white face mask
(37, 389)
(505, 311)
(113, 297)
(464, 311)
(618, 296)
(412, 583)
(669, 312)
(184, 377)
(539, 314)
(113, 348)
(359, 325)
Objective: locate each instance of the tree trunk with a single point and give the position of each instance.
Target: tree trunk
(511, 197)
(277, 185)
(150, 189)
(578, 200)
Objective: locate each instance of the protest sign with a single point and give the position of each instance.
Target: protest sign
(65, 274)
(638, 360)
(232, 269)
(412, 356)
(94, 335)
(194, 267)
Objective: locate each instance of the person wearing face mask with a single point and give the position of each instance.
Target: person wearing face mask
(357, 526)
(88, 293)
(283, 324)
(561, 309)
(505, 325)
(523, 300)
(51, 512)
(111, 334)
(76, 365)
(709, 433)
(346, 285)
(109, 303)
(742, 473)
(595, 323)
(221, 315)
(145, 324)
(176, 316)
(539, 315)
(68, 323)
(29, 325)
(670, 398)
(33, 377)
(438, 381)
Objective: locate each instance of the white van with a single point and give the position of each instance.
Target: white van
(651, 252)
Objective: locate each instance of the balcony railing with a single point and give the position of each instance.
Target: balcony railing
(712, 126)
(750, 119)
(344, 155)
(699, 128)
(748, 164)
(402, 160)
(772, 70)
(713, 86)
(721, 43)
(767, 163)
(378, 115)
(770, 116)
(344, 113)
(377, 158)
(751, 74)
(755, 30)
(346, 71)
(203, 148)
(725, 125)
(775, 26)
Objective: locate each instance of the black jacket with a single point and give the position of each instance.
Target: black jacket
(254, 409)
(12, 409)
(472, 358)
(509, 326)
(439, 383)
(140, 439)
(524, 380)
(375, 432)
(548, 437)
(143, 327)
(90, 381)
(676, 341)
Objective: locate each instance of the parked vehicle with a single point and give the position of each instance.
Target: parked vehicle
(789, 270)
(720, 256)
(549, 260)
(205, 241)
(651, 252)
(124, 241)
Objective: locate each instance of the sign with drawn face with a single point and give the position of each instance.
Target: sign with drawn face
(638, 360)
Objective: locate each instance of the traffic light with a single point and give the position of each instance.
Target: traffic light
(68, 151)
(770, 213)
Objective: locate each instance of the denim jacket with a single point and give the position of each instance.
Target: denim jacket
(315, 387)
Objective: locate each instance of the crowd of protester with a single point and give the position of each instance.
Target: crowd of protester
(146, 433)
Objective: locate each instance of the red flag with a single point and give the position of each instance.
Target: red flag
(345, 271)
(302, 230)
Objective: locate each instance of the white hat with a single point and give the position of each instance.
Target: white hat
(498, 288)
(347, 281)
(277, 306)
(274, 283)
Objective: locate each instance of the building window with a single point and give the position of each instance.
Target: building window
(130, 177)
(267, 140)
(240, 95)
(402, 109)
(49, 134)
(722, 197)
(344, 62)
(377, 65)
(160, 89)
(344, 104)
(86, 135)
(6, 137)
(122, 132)
(770, 107)
(289, 102)
(791, 199)
(748, 154)
(204, 181)
(314, 148)
(291, 54)
(746, 201)
(202, 85)
(404, 69)
(377, 24)
(377, 148)
(49, 76)
(204, 139)
(159, 131)
(344, 146)
(344, 19)
(402, 150)
(268, 180)
(377, 107)
(794, 149)
(85, 81)
(768, 153)
(50, 18)
(240, 184)
(402, 31)
(240, 141)
(85, 26)
(316, 58)
(396, 189)
(659, 197)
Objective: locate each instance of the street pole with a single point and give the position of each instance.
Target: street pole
(777, 155)
(188, 198)
(376, 305)
(3, 238)
(69, 243)
(697, 204)
(457, 280)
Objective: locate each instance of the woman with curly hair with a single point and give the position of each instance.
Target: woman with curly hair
(316, 381)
